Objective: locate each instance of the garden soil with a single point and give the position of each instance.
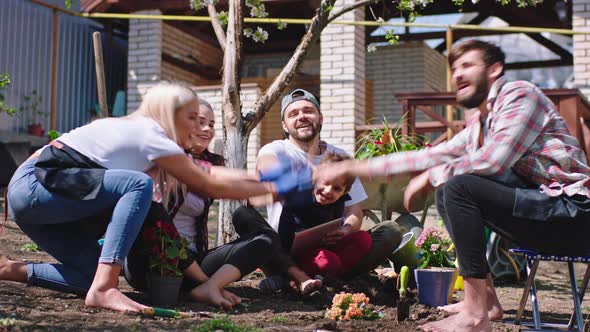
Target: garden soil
(25, 308)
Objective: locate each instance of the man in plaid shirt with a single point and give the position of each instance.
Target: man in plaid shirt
(515, 168)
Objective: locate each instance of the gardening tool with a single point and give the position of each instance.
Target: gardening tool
(403, 306)
(161, 312)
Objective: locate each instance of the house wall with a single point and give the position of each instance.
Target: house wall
(581, 22)
(408, 67)
(182, 45)
(249, 94)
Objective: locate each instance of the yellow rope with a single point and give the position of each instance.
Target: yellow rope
(512, 262)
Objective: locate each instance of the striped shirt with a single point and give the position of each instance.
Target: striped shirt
(525, 134)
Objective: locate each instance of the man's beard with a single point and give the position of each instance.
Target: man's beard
(478, 96)
(316, 128)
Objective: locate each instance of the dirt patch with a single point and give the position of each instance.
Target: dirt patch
(25, 308)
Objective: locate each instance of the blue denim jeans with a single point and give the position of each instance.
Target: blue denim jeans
(69, 229)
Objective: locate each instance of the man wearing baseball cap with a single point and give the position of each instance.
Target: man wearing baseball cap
(301, 120)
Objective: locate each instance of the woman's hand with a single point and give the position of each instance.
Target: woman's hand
(418, 186)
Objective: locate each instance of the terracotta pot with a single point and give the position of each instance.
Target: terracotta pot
(36, 129)
(163, 290)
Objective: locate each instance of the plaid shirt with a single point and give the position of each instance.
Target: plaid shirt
(525, 134)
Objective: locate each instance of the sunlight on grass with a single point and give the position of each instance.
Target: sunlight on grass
(222, 324)
(7, 321)
(31, 247)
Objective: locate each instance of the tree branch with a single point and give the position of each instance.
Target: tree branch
(231, 63)
(349, 8)
(318, 23)
(219, 32)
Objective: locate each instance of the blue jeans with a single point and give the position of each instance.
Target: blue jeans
(69, 229)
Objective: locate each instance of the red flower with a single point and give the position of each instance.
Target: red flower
(149, 234)
(155, 250)
(378, 142)
(159, 224)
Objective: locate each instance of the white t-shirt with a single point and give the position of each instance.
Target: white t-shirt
(122, 143)
(357, 192)
(184, 220)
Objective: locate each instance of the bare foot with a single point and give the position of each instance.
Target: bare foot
(12, 270)
(495, 311)
(212, 295)
(113, 299)
(231, 297)
(464, 321)
(307, 287)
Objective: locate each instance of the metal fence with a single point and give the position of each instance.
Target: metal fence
(26, 54)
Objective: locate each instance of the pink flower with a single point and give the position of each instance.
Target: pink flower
(434, 247)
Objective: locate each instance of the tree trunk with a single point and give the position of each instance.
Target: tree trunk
(234, 137)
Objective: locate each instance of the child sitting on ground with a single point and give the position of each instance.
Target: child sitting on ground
(335, 255)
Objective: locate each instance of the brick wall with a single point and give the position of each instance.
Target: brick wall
(581, 22)
(181, 45)
(250, 92)
(409, 67)
(144, 58)
(342, 79)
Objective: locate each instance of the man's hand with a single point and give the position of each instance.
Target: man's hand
(333, 237)
(418, 186)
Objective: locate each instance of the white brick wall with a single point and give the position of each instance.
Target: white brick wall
(250, 92)
(144, 59)
(342, 79)
(581, 22)
(408, 67)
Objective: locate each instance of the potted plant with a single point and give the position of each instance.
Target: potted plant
(32, 108)
(387, 194)
(166, 248)
(436, 274)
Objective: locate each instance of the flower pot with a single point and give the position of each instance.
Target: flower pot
(434, 285)
(36, 129)
(406, 253)
(163, 290)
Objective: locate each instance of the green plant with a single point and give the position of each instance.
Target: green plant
(378, 142)
(31, 247)
(32, 107)
(166, 248)
(434, 249)
(4, 83)
(53, 134)
(7, 321)
(279, 319)
(222, 324)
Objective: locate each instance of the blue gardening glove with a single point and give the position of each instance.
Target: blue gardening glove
(272, 173)
(295, 180)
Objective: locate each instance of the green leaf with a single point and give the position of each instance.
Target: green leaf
(171, 252)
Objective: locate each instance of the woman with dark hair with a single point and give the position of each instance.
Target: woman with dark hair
(206, 271)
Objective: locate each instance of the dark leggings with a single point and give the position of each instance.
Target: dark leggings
(467, 203)
(247, 221)
(246, 254)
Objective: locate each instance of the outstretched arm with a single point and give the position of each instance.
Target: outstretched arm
(212, 185)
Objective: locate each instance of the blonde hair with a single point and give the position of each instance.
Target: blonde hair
(160, 104)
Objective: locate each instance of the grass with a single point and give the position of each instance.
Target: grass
(7, 321)
(222, 324)
(279, 319)
(31, 247)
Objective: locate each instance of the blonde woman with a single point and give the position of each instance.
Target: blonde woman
(91, 182)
